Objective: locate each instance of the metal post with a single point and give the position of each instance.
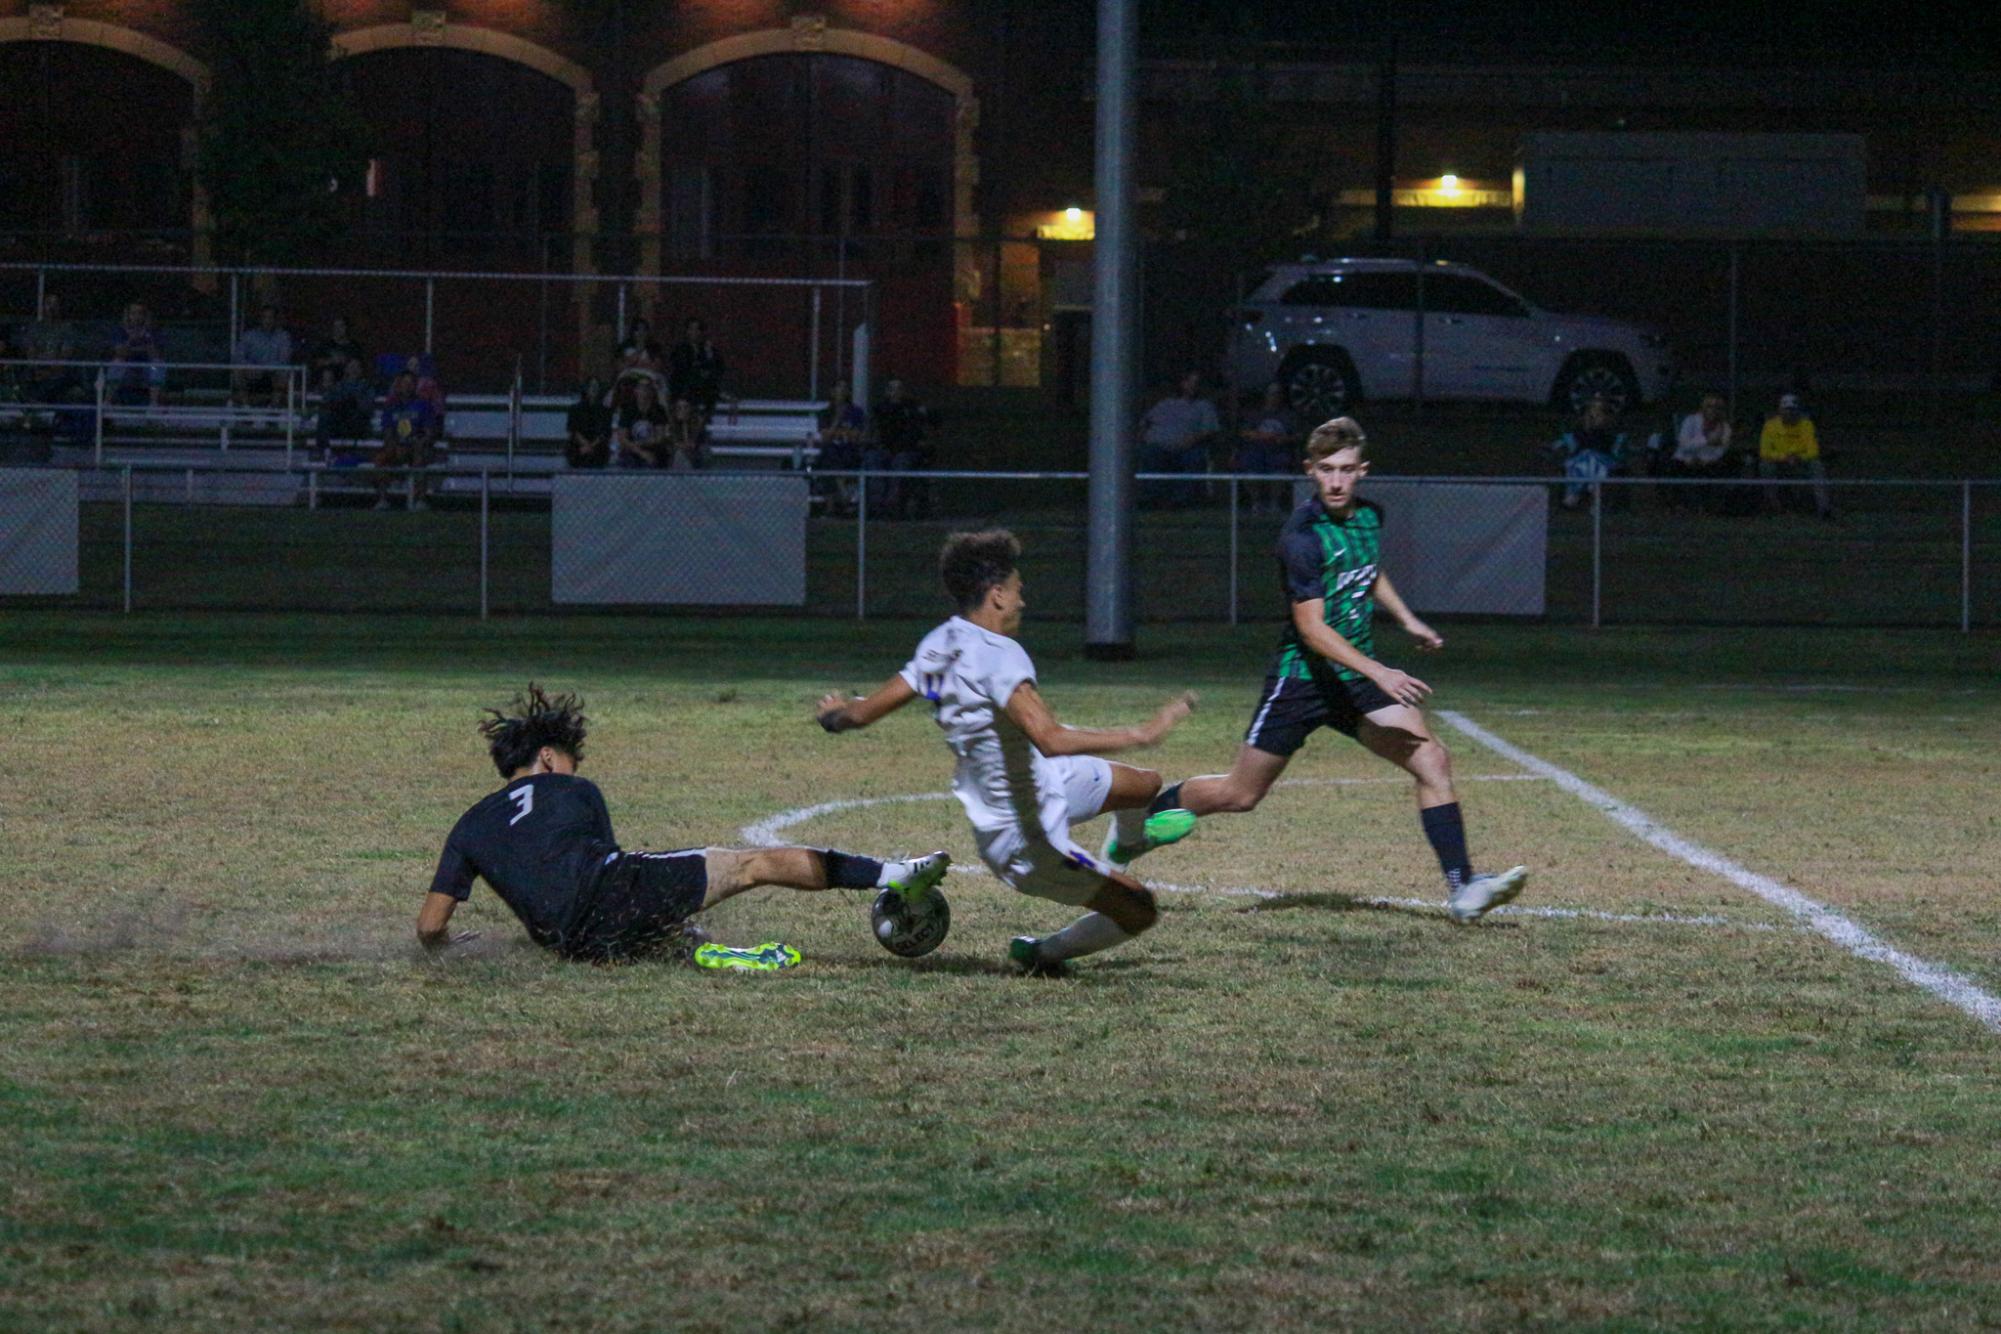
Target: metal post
(312, 488)
(1597, 551)
(430, 311)
(1966, 558)
(128, 537)
(1941, 219)
(235, 312)
(294, 397)
(542, 346)
(99, 416)
(813, 367)
(485, 488)
(621, 312)
(1417, 348)
(1731, 340)
(1233, 550)
(1108, 614)
(861, 546)
(41, 291)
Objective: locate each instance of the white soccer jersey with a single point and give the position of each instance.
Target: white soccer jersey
(1002, 780)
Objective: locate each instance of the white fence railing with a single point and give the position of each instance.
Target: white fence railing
(1921, 552)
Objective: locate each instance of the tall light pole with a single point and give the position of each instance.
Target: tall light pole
(1108, 614)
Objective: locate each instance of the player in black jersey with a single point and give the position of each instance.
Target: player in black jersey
(1325, 672)
(544, 843)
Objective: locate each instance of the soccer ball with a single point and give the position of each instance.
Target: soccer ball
(907, 928)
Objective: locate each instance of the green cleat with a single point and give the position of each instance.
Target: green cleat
(1162, 828)
(770, 957)
(1024, 953)
(920, 876)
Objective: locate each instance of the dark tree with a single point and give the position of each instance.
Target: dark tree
(281, 136)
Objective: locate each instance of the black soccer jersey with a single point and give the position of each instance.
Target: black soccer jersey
(1334, 560)
(539, 842)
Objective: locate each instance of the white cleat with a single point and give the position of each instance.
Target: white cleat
(1485, 892)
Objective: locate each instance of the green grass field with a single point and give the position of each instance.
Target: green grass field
(235, 1097)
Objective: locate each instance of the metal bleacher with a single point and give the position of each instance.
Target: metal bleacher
(177, 447)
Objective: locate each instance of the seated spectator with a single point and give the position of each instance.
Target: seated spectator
(902, 444)
(265, 345)
(1702, 449)
(424, 370)
(1174, 437)
(1790, 447)
(640, 346)
(634, 369)
(686, 444)
(642, 429)
(588, 429)
(335, 351)
(843, 428)
(347, 406)
(51, 338)
(695, 369)
(1271, 441)
(1590, 452)
(139, 375)
(411, 427)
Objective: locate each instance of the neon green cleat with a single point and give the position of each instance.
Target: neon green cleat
(770, 957)
(1162, 828)
(920, 876)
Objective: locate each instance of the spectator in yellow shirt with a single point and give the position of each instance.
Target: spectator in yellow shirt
(1788, 447)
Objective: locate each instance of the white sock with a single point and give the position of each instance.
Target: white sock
(1130, 826)
(1087, 935)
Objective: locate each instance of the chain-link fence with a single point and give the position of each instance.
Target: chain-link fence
(463, 542)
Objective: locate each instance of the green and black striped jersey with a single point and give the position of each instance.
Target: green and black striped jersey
(1335, 560)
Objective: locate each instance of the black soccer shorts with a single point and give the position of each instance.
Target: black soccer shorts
(638, 903)
(1292, 708)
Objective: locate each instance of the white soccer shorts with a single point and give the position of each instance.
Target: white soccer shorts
(1046, 862)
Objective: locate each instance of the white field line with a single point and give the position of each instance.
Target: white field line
(769, 832)
(1949, 986)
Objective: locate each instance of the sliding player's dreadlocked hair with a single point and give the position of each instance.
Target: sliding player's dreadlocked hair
(533, 720)
(972, 563)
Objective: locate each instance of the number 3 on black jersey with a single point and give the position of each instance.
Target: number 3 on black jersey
(524, 798)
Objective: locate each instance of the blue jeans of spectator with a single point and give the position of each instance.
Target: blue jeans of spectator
(890, 495)
(1172, 459)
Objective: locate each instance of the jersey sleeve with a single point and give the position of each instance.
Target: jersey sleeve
(454, 874)
(600, 816)
(1299, 561)
(1008, 668)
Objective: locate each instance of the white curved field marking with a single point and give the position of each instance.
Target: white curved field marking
(1952, 987)
(768, 832)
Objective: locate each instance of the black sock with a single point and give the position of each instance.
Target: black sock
(1447, 833)
(1169, 799)
(847, 871)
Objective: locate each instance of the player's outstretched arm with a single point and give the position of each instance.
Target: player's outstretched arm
(1392, 602)
(1026, 707)
(1329, 643)
(843, 713)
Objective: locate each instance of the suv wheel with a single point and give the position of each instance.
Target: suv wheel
(1320, 384)
(1598, 375)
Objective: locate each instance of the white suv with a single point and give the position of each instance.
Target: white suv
(1336, 331)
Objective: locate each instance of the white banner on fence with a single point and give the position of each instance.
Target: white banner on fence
(38, 543)
(687, 538)
(1464, 546)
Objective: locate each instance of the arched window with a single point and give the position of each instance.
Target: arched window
(90, 144)
(763, 156)
(471, 158)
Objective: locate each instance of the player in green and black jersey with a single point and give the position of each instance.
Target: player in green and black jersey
(544, 843)
(1326, 674)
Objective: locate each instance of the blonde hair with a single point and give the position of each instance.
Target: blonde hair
(1331, 437)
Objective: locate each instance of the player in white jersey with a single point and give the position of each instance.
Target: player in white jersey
(1023, 777)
